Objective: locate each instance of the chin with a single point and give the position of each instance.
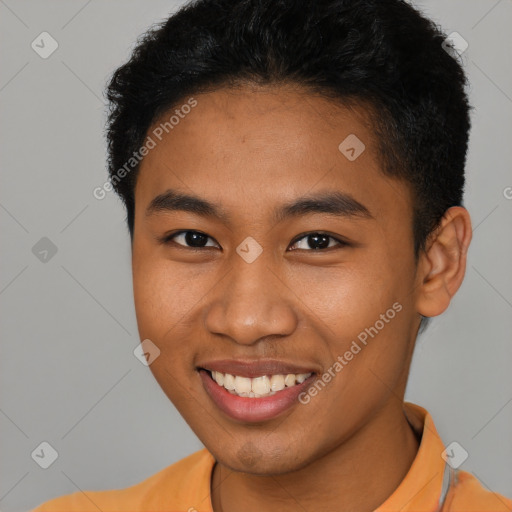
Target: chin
(257, 459)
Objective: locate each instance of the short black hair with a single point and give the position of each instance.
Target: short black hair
(382, 54)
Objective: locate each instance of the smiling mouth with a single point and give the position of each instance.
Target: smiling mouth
(257, 387)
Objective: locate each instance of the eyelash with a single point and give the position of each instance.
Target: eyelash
(168, 239)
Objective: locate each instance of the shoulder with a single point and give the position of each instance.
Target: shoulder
(182, 485)
(469, 495)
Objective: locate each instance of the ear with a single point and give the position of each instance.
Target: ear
(441, 267)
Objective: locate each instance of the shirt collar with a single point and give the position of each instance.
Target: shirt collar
(425, 484)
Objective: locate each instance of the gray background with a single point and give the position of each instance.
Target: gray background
(68, 373)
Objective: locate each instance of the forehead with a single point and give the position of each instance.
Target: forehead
(263, 145)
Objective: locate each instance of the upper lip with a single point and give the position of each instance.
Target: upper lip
(254, 368)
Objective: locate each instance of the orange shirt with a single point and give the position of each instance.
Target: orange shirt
(431, 485)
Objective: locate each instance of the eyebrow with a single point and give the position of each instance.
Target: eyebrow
(328, 202)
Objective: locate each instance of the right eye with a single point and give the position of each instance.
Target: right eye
(188, 239)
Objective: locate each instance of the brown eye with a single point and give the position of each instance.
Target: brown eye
(318, 241)
(189, 239)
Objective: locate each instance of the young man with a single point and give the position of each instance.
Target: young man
(293, 175)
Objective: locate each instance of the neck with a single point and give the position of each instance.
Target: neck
(358, 475)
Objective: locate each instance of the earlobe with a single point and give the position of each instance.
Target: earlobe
(442, 265)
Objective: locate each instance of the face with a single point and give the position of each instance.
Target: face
(288, 273)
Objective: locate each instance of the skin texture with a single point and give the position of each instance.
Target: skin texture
(249, 150)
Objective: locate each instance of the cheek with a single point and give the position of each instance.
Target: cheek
(160, 292)
(163, 303)
(364, 311)
(347, 298)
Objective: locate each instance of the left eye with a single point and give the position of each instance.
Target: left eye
(318, 241)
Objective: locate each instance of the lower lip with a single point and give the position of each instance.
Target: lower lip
(252, 409)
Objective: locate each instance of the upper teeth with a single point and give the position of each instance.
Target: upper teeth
(259, 386)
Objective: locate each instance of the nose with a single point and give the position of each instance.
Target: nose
(251, 303)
